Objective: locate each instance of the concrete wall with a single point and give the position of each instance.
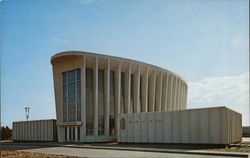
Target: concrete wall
(218, 125)
(39, 130)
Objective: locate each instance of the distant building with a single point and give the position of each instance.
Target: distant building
(246, 131)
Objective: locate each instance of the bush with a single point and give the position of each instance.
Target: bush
(6, 133)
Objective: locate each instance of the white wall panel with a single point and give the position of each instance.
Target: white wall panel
(137, 127)
(185, 126)
(203, 126)
(168, 128)
(159, 127)
(144, 127)
(151, 127)
(130, 128)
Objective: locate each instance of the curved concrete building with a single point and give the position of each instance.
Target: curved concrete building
(91, 90)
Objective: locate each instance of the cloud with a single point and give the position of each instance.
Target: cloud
(89, 1)
(230, 91)
(61, 41)
(86, 1)
(240, 43)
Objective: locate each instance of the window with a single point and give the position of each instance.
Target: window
(73, 132)
(70, 134)
(122, 101)
(71, 96)
(112, 104)
(132, 106)
(65, 133)
(89, 102)
(78, 133)
(101, 107)
(140, 95)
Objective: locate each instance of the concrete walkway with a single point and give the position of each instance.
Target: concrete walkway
(111, 151)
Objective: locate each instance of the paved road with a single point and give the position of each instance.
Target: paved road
(83, 152)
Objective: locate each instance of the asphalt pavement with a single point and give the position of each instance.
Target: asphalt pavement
(98, 152)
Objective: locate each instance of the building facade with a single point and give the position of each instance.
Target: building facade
(92, 90)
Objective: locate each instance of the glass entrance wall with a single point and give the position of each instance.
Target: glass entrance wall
(71, 96)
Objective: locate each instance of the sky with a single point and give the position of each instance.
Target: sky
(205, 42)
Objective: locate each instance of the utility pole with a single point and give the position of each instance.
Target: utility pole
(27, 112)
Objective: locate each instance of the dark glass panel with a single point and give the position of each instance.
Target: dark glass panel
(78, 74)
(112, 104)
(65, 80)
(101, 102)
(140, 95)
(65, 102)
(89, 101)
(70, 133)
(73, 130)
(78, 133)
(78, 101)
(71, 76)
(132, 106)
(65, 133)
(122, 101)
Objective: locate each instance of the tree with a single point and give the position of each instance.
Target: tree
(6, 133)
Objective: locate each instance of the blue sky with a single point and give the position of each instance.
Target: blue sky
(206, 42)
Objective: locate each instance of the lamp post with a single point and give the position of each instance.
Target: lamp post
(27, 112)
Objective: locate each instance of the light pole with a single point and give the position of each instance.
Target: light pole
(27, 112)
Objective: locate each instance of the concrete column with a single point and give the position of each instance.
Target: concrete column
(107, 86)
(164, 93)
(178, 94)
(127, 89)
(167, 92)
(158, 92)
(170, 92)
(76, 134)
(83, 99)
(117, 97)
(182, 95)
(137, 106)
(72, 133)
(67, 133)
(151, 95)
(174, 93)
(144, 87)
(62, 137)
(185, 96)
(95, 88)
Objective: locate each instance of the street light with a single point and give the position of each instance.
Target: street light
(27, 112)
